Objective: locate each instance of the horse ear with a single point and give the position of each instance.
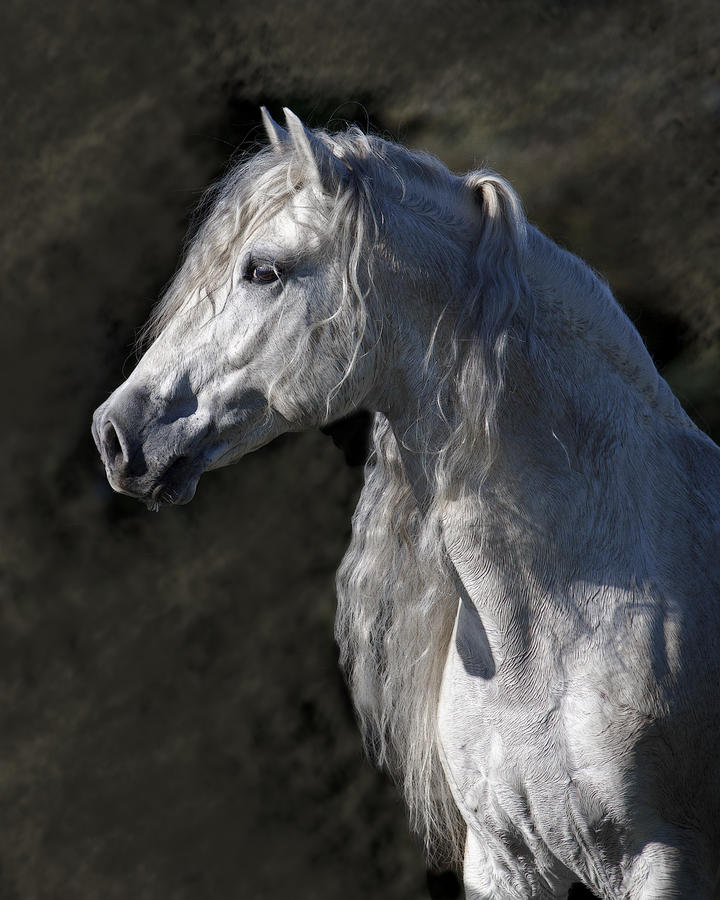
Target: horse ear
(277, 135)
(326, 170)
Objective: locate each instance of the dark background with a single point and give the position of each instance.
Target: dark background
(172, 722)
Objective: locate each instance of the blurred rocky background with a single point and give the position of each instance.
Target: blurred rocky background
(172, 722)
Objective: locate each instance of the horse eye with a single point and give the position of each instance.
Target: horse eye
(263, 274)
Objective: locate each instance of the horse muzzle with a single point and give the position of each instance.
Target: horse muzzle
(144, 459)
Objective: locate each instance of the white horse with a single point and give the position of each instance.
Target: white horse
(528, 611)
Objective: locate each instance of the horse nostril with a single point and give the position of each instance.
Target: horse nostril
(114, 454)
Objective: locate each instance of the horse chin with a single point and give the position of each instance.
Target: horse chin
(176, 486)
(163, 495)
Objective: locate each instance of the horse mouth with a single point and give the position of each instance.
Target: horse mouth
(158, 479)
(176, 486)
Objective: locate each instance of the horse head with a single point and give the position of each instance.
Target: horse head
(260, 333)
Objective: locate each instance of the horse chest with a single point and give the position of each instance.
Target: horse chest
(499, 753)
(535, 796)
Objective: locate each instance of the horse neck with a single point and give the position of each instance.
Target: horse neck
(574, 359)
(578, 325)
(580, 420)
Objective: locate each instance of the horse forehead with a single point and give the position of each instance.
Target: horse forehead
(296, 224)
